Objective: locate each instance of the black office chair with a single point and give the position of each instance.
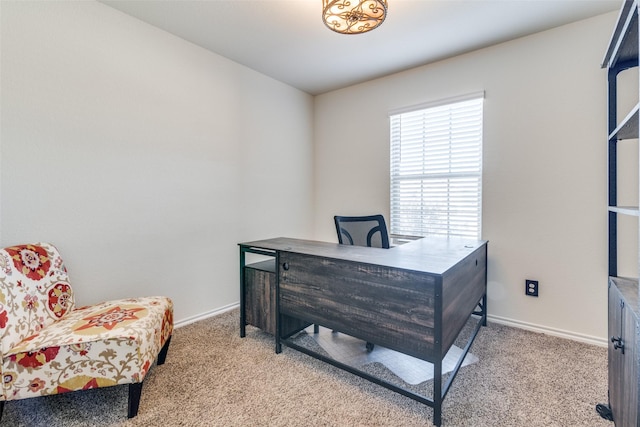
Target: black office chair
(370, 230)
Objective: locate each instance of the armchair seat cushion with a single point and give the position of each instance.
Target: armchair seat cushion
(106, 344)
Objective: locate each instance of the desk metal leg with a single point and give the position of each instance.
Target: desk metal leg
(484, 297)
(242, 295)
(484, 310)
(437, 393)
(278, 319)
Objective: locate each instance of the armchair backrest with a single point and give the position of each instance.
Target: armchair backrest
(34, 291)
(370, 230)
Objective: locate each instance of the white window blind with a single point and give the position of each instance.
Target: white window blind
(436, 170)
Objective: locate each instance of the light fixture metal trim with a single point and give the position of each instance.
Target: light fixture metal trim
(353, 16)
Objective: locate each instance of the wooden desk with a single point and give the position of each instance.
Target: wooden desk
(414, 298)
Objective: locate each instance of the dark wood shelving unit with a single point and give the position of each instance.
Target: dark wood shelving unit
(623, 294)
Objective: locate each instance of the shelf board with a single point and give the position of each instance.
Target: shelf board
(626, 210)
(628, 127)
(623, 46)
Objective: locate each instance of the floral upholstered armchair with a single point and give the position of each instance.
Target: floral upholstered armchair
(49, 346)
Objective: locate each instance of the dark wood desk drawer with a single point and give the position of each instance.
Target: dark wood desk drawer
(260, 299)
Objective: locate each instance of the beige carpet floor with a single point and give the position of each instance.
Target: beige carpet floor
(212, 377)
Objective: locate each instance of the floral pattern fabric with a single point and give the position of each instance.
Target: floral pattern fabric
(49, 346)
(34, 292)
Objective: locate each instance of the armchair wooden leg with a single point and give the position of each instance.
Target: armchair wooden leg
(163, 352)
(135, 390)
(1, 409)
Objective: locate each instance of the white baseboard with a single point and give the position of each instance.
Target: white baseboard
(205, 315)
(588, 339)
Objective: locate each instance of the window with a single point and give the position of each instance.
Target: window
(436, 169)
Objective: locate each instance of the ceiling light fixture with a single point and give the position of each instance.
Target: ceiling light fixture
(353, 16)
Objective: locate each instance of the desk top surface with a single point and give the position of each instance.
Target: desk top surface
(428, 255)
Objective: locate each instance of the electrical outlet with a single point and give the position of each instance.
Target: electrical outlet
(531, 288)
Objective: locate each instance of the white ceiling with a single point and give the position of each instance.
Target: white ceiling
(286, 39)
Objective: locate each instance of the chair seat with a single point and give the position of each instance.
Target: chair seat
(111, 343)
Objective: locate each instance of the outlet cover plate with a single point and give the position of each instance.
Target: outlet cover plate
(531, 288)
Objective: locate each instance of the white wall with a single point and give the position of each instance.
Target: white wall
(144, 158)
(544, 178)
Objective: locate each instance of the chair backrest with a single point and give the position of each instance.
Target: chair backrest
(34, 291)
(370, 230)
